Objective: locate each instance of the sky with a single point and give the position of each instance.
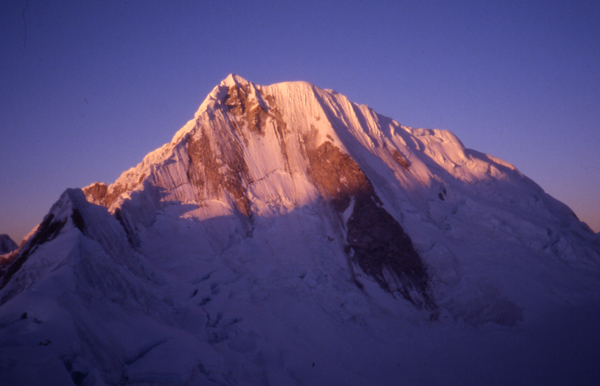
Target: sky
(88, 88)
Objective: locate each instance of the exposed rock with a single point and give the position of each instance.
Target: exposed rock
(246, 110)
(400, 159)
(96, 193)
(211, 173)
(376, 242)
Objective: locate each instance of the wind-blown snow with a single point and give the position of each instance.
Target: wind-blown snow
(225, 257)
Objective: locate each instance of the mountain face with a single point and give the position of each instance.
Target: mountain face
(289, 236)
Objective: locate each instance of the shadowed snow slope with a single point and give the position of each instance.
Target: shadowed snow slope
(7, 244)
(289, 236)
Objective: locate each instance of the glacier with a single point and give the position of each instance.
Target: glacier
(289, 236)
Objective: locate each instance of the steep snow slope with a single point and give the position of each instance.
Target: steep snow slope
(288, 236)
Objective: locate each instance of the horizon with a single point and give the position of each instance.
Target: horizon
(90, 89)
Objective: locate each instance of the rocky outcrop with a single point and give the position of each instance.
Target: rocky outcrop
(375, 241)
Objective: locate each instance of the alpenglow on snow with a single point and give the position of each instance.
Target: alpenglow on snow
(289, 236)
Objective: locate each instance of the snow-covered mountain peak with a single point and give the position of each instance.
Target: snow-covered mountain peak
(262, 151)
(289, 236)
(234, 80)
(249, 144)
(63, 216)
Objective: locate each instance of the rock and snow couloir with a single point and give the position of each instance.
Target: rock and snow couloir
(289, 236)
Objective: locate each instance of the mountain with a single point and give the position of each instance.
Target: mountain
(7, 244)
(289, 236)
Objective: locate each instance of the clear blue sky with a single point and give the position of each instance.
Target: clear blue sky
(89, 87)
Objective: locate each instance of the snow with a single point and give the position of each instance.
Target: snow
(7, 244)
(173, 283)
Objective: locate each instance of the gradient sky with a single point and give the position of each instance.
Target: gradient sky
(90, 87)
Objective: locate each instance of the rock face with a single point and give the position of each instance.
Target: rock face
(375, 241)
(289, 236)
